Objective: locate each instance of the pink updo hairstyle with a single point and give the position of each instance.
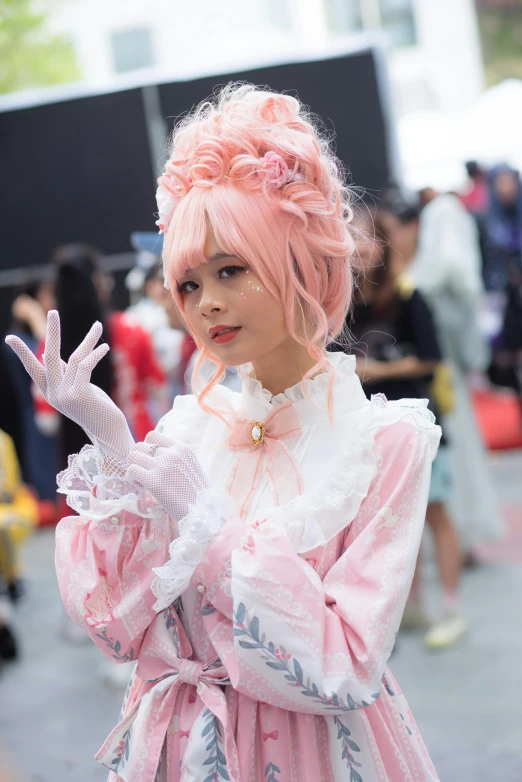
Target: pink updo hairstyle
(291, 228)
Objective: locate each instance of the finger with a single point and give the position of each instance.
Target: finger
(84, 372)
(145, 448)
(138, 475)
(52, 360)
(82, 351)
(142, 460)
(29, 360)
(157, 439)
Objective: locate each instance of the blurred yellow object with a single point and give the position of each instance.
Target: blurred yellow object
(405, 286)
(441, 386)
(18, 509)
(442, 389)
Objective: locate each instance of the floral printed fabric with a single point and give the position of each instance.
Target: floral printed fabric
(271, 667)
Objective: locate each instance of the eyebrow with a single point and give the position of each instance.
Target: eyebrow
(219, 257)
(215, 257)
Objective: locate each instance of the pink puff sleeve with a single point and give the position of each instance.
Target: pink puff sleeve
(291, 640)
(105, 556)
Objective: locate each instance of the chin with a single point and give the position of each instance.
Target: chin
(230, 355)
(232, 358)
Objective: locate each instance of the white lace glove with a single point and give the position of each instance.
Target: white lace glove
(172, 474)
(68, 389)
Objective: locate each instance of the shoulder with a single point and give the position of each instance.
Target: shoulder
(409, 293)
(404, 423)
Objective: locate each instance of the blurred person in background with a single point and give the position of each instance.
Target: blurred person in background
(18, 517)
(398, 355)
(475, 195)
(150, 308)
(441, 250)
(81, 295)
(38, 455)
(504, 228)
(132, 374)
(475, 198)
(503, 225)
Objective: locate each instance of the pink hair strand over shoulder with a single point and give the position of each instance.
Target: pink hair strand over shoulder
(253, 165)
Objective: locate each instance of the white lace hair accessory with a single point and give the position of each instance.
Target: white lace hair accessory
(171, 189)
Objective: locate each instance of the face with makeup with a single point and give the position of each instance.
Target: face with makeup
(228, 308)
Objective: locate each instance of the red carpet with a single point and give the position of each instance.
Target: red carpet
(499, 418)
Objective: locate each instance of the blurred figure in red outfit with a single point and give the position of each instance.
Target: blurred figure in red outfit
(130, 373)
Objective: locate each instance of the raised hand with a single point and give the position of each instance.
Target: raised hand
(172, 474)
(68, 389)
(169, 471)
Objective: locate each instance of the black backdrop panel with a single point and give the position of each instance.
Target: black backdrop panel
(343, 91)
(77, 170)
(80, 170)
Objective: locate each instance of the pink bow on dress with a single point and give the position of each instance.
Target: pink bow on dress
(274, 735)
(258, 440)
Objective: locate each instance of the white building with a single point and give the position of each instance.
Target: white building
(435, 60)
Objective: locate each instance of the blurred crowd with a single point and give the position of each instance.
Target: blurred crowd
(437, 312)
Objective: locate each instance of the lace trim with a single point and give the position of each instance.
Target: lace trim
(414, 410)
(213, 508)
(316, 387)
(420, 406)
(314, 518)
(89, 491)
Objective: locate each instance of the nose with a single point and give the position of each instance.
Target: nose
(210, 301)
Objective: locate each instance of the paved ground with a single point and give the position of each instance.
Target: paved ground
(55, 711)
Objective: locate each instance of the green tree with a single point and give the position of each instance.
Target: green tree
(30, 55)
(500, 23)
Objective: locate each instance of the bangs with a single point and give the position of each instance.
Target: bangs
(245, 225)
(185, 240)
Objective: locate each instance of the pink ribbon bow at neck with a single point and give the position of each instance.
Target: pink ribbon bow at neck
(262, 444)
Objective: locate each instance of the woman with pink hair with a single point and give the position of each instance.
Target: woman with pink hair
(258, 547)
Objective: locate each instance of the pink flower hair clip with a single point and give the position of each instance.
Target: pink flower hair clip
(278, 173)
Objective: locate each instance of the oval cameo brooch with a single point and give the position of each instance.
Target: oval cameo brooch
(257, 434)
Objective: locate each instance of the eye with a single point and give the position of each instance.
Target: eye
(185, 287)
(226, 272)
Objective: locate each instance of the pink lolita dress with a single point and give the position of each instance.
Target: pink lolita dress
(263, 659)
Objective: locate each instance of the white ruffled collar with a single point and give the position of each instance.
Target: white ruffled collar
(312, 404)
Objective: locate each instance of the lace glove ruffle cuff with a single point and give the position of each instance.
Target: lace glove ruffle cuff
(197, 530)
(90, 491)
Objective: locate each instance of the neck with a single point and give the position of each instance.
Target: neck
(283, 367)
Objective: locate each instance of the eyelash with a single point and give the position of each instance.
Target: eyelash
(182, 289)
